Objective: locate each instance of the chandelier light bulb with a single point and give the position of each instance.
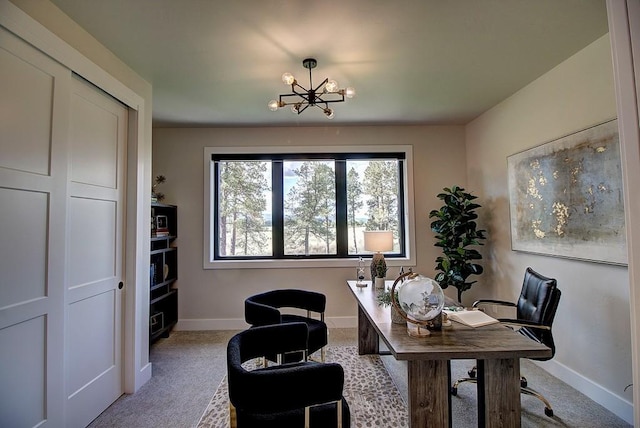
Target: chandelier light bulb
(288, 79)
(273, 105)
(329, 113)
(350, 92)
(295, 108)
(331, 86)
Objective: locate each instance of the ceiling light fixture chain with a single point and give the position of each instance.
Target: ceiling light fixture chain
(321, 96)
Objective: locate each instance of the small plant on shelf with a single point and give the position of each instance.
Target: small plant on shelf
(384, 298)
(155, 195)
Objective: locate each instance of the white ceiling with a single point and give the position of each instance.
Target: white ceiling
(218, 63)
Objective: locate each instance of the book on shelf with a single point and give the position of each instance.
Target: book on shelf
(473, 318)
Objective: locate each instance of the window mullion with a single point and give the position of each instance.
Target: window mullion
(277, 204)
(342, 237)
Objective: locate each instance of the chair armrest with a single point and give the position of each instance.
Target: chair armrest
(304, 299)
(271, 339)
(286, 387)
(256, 313)
(493, 302)
(262, 309)
(524, 323)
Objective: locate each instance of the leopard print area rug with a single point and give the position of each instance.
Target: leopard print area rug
(373, 398)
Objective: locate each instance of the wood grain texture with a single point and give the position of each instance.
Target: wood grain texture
(496, 347)
(502, 392)
(368, 342)
(429, 398)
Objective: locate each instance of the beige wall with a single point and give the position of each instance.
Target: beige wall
(215, 298)
(592, 328)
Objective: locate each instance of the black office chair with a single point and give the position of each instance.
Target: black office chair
(302, 394)
(265, 309)
(535, 311)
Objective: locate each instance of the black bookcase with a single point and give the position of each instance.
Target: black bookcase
(163, 271)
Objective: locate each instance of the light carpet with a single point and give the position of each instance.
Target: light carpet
(373, 398)
(376, 390)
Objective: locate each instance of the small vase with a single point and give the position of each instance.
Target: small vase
(379, 283)
(396, 318)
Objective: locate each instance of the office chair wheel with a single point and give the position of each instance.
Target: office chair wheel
(523, 382)
(472, 372)
(454, 391)
(548, 412)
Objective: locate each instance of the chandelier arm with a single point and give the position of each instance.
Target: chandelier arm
(306, 106)
(321, 84)
(322, 100)
(303, 96)
(293, 85)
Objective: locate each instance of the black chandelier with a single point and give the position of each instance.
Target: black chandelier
(324, 94)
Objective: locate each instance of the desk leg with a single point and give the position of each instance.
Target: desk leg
(501, 392)
(429, 399)
(368, 341)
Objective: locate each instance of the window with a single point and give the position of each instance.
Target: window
(288, 207)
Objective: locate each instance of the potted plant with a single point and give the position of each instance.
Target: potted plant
(155, 195)
(456, 230)
(378, 271)
(384, 299)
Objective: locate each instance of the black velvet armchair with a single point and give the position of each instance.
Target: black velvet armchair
(266, 308)
(289, 395)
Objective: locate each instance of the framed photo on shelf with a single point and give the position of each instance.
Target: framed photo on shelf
(162, 226)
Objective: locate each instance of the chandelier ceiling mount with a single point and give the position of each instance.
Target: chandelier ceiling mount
(321, 96)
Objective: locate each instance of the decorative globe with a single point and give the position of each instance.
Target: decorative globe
(421, 298)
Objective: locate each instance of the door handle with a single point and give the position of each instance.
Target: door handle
(120, 285)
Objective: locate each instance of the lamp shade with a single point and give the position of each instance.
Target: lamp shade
(378, 240)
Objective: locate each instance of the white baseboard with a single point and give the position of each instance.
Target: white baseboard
(607, 399)
(342, 322)
(240, 324)
(144, 376)
(212, 324)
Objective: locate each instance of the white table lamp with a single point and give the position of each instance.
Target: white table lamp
(377, 241)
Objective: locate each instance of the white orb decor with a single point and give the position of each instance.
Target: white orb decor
(421, 299)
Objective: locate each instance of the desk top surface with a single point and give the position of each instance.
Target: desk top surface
(455, 342)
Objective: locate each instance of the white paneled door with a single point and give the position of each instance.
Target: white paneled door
(62, 158)
(97, 142)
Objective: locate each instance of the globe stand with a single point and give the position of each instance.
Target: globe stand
(415, 328)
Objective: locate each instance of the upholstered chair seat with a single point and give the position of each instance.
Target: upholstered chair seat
(283, 395)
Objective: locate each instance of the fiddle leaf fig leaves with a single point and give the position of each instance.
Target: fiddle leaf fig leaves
(455, 230)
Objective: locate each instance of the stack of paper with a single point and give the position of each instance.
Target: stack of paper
(471, 318)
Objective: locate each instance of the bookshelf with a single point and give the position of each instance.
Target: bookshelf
(163, 271)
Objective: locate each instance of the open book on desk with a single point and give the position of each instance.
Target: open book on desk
(473, 318)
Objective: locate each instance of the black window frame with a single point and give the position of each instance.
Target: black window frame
(277, 220)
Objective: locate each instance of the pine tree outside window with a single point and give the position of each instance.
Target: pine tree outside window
(305, 206)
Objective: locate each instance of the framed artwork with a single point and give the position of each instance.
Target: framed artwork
(566, 197)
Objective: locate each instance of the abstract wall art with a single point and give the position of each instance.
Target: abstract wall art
(566, 197)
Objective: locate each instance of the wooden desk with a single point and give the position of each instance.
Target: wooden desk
(496, 347)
